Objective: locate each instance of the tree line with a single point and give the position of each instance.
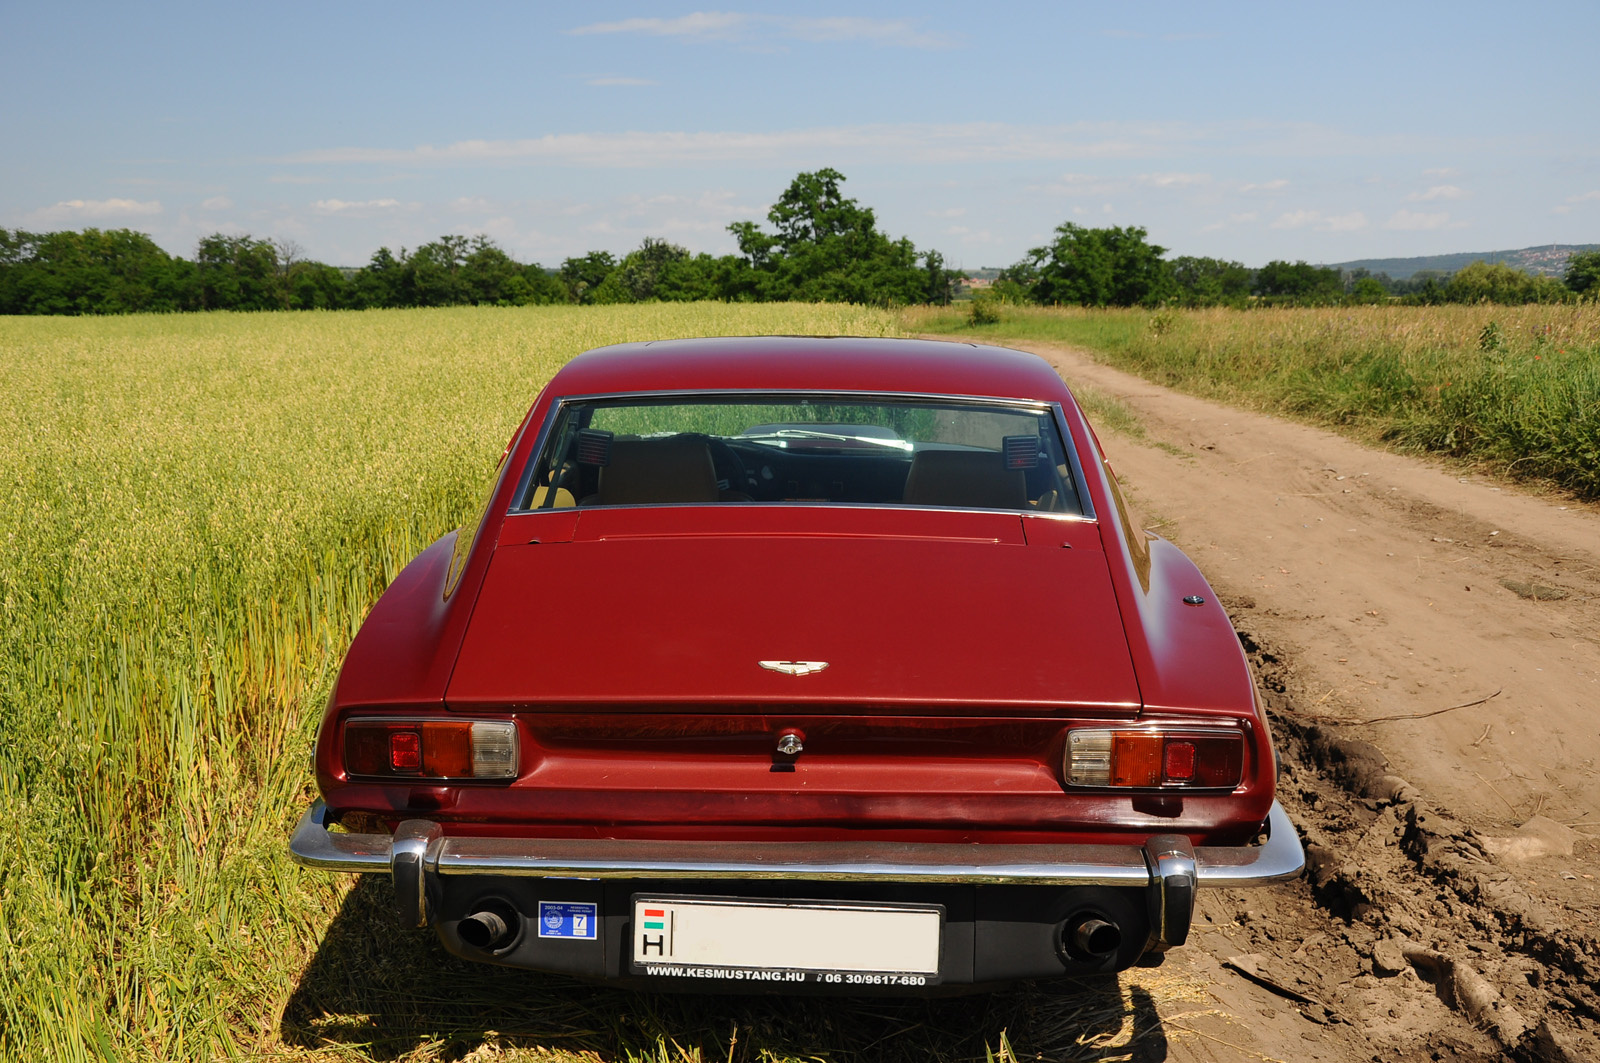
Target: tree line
(1118, 266)
(822, 246)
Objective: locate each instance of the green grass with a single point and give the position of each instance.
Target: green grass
(1516, 389)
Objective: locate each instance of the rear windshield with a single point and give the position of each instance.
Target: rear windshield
(776, 450)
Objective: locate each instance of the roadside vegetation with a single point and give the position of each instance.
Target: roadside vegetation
(1516, 389)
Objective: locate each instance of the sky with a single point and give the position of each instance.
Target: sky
(1248, 131)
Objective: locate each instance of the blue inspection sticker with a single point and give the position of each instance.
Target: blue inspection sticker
(567, 919)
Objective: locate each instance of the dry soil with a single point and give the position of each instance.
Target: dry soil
(1429, 642)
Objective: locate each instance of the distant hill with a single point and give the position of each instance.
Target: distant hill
(1549, 260)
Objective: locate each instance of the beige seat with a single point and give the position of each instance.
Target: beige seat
(970, 479)
(649, 471)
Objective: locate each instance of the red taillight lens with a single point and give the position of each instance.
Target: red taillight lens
(405, 751)
(1154, 757)
(431, 749)
(1177, 763)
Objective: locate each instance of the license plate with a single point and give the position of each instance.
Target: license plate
(825, 943)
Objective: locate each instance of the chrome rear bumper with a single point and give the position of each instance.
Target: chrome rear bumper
(1167, 865)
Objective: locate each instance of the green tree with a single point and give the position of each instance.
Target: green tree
(1583, 274)
(114, 271)
(1098, 267)
(582, 276)
(544, 286)
(315, 286)
(826, 247)
(1367, 291)
(1210, 281)
(1496, 282)
(490, 277)
(380, 282)
(238, 273)
(1299, 282)
(434, 274)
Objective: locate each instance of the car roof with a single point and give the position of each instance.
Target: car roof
(811, 363)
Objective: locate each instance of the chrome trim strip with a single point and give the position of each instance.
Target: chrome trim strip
(314, 845)
(1278, 860)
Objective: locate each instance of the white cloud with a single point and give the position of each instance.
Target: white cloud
(921, 143)
(95, 210)
(949, 212)
(1173, 180)
(1081, 184)
(1275, 185)
(1413, 220)
(1443, 171)
(217, 203)
(355, 209)
(1439, 192)
(1584, 197)
(1326, 223)
(620, 82)
(737, 27)
(911, 142)
(1233, 219)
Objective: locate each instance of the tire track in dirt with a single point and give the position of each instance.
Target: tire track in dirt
(1451, 901)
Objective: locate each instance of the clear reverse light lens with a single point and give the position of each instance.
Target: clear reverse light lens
(494, 749)
(1089, 758)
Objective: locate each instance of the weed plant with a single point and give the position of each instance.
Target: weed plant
(1516, 389)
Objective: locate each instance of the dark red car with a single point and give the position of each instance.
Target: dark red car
(823, 663)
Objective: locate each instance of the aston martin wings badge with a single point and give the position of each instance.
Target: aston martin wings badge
(794, 667)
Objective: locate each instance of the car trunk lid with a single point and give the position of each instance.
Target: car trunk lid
(739, 609)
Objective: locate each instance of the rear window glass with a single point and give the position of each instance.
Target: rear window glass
(785, 450)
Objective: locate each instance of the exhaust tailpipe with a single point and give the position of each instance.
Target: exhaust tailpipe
(1095, 938)
(488, 928)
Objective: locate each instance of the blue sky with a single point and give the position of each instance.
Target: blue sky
(1248, 131)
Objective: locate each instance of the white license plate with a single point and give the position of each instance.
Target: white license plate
(787, 941)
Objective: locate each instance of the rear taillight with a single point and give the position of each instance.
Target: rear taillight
(1154, 758)
(431, 749)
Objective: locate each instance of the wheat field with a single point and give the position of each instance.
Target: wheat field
(199, 511)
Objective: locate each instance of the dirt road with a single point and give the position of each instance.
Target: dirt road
(1430, 644)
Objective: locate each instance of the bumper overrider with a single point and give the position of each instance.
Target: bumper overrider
(1007, 910)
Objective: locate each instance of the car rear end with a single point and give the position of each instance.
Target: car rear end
(828, 741)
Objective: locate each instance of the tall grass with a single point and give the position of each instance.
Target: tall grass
(1514, 388)
(198, 512)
